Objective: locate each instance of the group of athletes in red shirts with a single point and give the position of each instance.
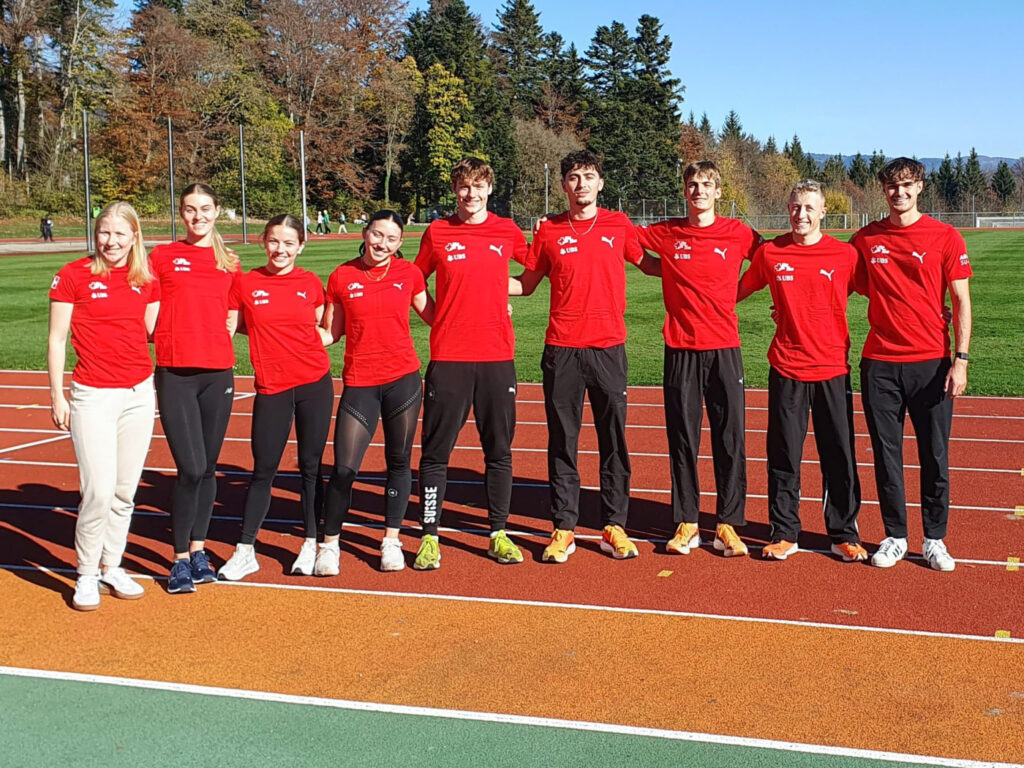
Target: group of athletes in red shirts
(191, 297)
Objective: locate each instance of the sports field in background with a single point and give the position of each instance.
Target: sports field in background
(997, 348)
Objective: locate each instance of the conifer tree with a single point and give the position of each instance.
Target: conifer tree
(859, 172)
(518, 40)
(1003, 183)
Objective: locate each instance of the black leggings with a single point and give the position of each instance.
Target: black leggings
(398, 405)
(195, 405)
(310, 405)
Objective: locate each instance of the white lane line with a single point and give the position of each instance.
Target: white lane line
(594, 608)
(62, 436)
(810, 434)
(376, 480)
(410, 530)
(500, 718)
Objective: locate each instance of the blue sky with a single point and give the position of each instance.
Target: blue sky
(903, 76)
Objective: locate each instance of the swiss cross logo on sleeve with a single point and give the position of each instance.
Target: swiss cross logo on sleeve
(56, 281)
(964, 260)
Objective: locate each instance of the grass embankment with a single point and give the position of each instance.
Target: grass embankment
(997, 349)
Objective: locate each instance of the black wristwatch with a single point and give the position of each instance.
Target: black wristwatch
(962, 356)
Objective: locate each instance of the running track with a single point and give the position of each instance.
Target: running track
(663, 659)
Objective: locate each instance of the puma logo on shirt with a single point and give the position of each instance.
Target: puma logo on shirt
(496, 248)
(301, 294)
(919, 256)
(721, 252)
(609, 240)
(827, 274)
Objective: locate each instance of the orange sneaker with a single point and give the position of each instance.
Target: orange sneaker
(728, 542)
(779, 550)
(563, 544)
(615, 542)
(687, 537)
(850, 551)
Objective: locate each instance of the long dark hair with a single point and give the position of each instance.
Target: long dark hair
(385, 214)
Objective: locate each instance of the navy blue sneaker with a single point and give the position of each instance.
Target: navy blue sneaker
(202, 571)
(180, 579)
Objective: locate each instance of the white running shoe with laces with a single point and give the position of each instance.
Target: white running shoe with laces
(242, 563)
(392, 558)
(87, 593)
(328, 559)
(890, 552)
(934, 551)
(122, 585)
(306, 559)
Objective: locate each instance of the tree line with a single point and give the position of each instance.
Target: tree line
(387, 102)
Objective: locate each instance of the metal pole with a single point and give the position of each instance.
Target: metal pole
(302, 165)
(88, 199)
(241, 172)
(547, 207)
(170, 167)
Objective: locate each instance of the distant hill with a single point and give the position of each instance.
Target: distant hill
(988, 164)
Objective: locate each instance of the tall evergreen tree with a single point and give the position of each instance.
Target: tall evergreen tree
(859, 172)
(732, 129)
(804, 164)
(947, 181)
(769, 147)
(974, 178)
(1003, 183)
(876, 163)
(518, 39)
(833, 173)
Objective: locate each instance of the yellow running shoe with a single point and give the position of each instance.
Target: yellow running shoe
(563, 544)
(428, 558)
(503, 550)
(728, 542)
(615, 542)
(687, 537)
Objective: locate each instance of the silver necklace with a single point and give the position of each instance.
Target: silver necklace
(592, 223)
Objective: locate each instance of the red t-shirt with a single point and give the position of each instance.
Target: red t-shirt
(280, 318)
(700, 267)
(905, 272)
(191, 331)
(378, 344)
(471, 322)
(108, 328)
(588, 279)
(809, 286)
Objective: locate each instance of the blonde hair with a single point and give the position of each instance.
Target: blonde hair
(138, 264)
(225, 258)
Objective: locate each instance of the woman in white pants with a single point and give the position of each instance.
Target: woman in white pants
(109, 303)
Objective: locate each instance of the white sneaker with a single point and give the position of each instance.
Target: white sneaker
(391, 556)
(242, 563)
(328, 557)
(87, 593)
(306, 559)
(122, 585)
(890, 552)
(934, 551)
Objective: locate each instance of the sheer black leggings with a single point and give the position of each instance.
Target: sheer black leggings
(397, 404)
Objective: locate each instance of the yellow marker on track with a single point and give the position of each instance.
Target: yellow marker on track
(665, 574)
(1013, 564)
(1019, 511)
(1003, 634)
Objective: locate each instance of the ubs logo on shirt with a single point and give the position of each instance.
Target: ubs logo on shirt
(964, 260)
(567, 244)
(182, 265)
(99, 290)
(355, 290)
(784, 272)
(261, 297)
(456, 251)
(56, 281)
(682, 250)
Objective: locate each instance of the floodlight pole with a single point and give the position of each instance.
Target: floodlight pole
(88, 198)
(302, 165)
(547, 207)
(170, 167)
(241, 172)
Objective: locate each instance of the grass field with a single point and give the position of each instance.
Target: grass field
(997, 349)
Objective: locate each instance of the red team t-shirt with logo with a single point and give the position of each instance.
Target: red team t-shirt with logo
(471, 322)
(191, 331)
(378, 343)
(280, 318)
(700, 267)
(108, 328)
(809, 286)
(905, 273)
(588, 279)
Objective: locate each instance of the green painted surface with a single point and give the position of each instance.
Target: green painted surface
(69, 723)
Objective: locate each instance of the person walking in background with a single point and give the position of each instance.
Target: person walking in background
(327, 222)
(281, 307)
(194, 376)
(809, 275)
(907, 263)
(319, 222)
(701, 258)
(368, 302)
(583, 252)
(472, 355)
(341, 222)
(109, 302)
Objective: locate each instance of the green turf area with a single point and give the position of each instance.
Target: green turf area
(997, 349)
(49, 723)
